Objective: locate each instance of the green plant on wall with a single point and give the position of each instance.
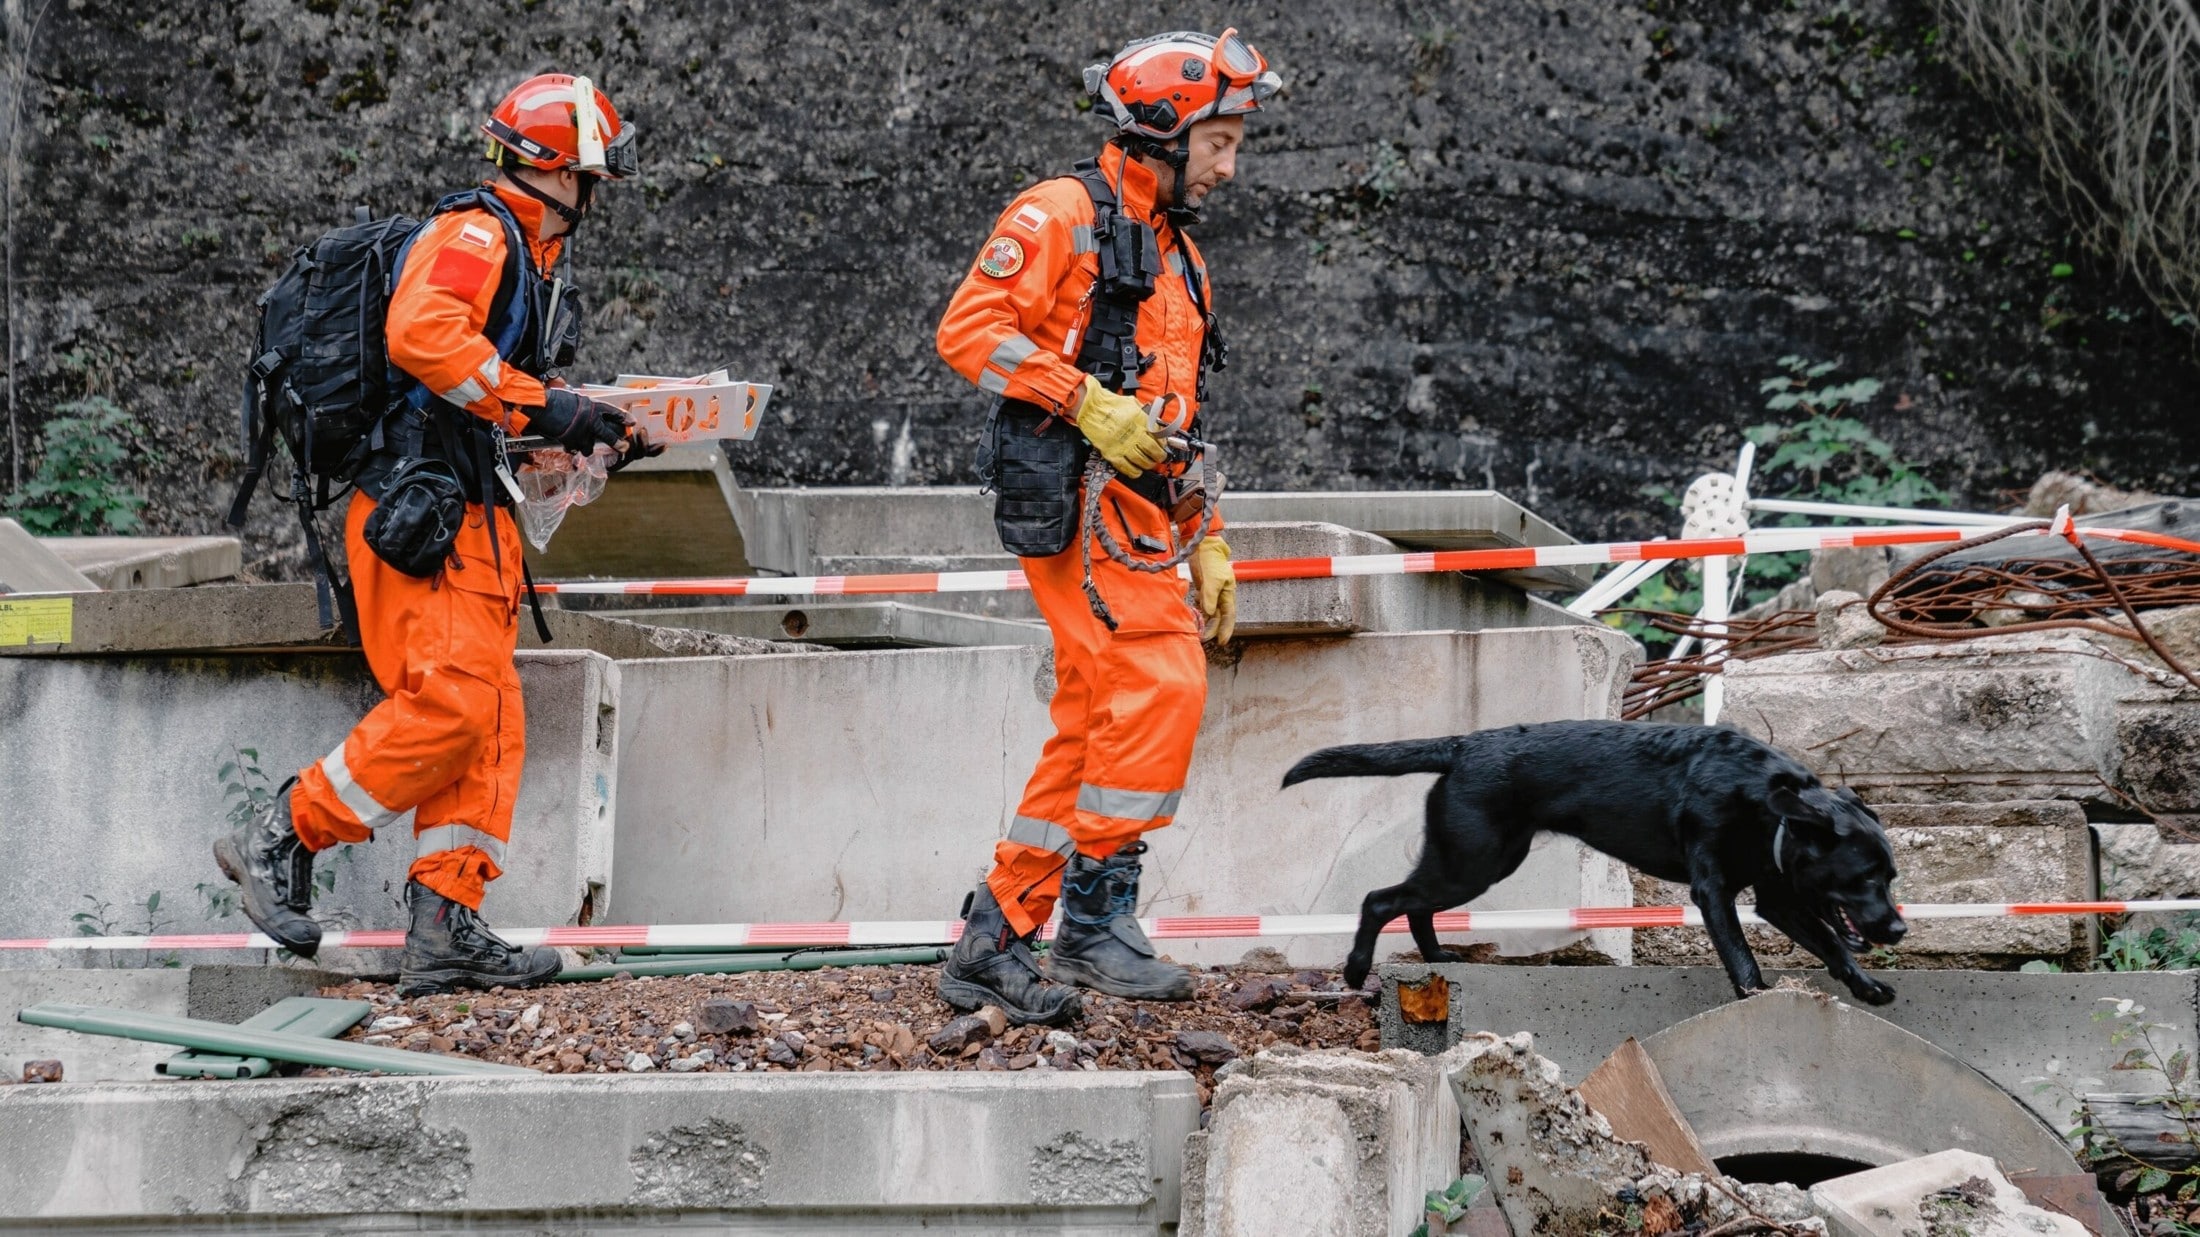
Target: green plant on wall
(78, 487)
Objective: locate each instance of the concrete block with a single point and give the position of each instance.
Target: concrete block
(150, 562)
(217, 993)
(978, 1154)
(1451, 601)
(874, 785)
(2157, 754)
(2007, 1025)
(664, 517)
(2142, 862)
(108, 767)
(2015, 851)
(210, 618)
(851, 624)
(2003, 717)
(1952, 1190)
(788, 531)
(27, 565)
(1323, 1142)
(89, 1058)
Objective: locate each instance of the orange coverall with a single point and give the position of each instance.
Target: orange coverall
(448, 742)
(1126, 703)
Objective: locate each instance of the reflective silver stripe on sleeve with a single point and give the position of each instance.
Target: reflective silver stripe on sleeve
(990, 381)
(444, 838)
(1080, 239)
(492, 370)
(1176, 262)
(351, 794)
(1011, 353)
(465, 393)
(1044, 834)
(1127, 804)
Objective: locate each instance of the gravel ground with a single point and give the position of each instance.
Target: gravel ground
(857, 1018)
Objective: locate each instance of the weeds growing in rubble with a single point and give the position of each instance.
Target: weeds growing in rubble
(1828, 456)
(2161, 1179)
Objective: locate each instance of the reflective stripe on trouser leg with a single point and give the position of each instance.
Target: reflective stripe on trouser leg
(363, 806)
(1040, 835)
(440, 838)
(1134, 806)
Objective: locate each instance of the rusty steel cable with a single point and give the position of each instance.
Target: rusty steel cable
(1972, 600)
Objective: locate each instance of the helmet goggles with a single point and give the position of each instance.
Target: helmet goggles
(1157, 87)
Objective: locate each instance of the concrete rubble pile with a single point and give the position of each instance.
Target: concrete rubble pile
(1351, 1142)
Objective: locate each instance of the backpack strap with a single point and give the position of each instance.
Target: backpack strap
(1127, 252)
(510, 312)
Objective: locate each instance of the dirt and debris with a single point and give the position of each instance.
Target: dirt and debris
(859, 1018)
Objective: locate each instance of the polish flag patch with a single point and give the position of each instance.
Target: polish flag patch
(475, 234)
(1031, 217)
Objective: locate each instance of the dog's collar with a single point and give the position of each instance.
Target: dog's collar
(1779, 843)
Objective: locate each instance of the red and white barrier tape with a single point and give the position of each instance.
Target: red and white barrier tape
(1202, 927)
(1766, 541)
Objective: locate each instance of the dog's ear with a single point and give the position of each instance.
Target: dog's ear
(1788, 800)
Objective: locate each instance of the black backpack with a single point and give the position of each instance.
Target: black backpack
(319, 375)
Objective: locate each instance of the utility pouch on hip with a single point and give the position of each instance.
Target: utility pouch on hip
(1032, 459)
(416, 522)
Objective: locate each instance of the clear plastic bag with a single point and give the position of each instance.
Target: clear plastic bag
(552, 481)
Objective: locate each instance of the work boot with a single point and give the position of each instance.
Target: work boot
(1100, 944)
(991, 965)
(274, 875)
(449, 947)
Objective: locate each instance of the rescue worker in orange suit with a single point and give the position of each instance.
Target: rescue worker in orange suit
(1087, 315)
(470, 331)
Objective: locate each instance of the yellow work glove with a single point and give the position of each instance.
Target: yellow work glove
(1216, 581)
(1116, 427)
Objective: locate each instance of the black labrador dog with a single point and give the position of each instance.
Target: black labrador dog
(1703, 806)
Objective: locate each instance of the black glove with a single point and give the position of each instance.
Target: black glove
(638, 447)
(578, 422)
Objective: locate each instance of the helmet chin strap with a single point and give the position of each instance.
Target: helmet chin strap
(1177, 156)
(572, 215)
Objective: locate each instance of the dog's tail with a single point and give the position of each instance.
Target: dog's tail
(1377, 760)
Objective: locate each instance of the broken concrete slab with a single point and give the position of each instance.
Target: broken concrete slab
(209, 618)
(1952, 1191)
(2007, 1025)
(28, 565)
(2014, 851)
(719, 756)
(108, 766)
(150, 562)
(1344, 1143)
(2029, 716)
(623, 638)
(1556, 1166)
(981, 1154)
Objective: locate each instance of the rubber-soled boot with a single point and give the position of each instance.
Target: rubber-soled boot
(274, 875)
(991, 965)
(1100, 944)
(449, 947)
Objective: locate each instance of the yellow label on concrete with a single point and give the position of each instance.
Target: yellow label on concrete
(36, 620)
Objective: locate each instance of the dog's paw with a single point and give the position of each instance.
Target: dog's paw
(1872, 992)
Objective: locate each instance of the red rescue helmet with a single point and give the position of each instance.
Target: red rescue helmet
(555, 121)
(1157, 87)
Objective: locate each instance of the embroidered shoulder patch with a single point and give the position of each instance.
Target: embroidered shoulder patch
(1003, 256)
(1031, 216)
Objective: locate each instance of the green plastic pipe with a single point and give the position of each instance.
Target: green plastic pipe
(652, 951)
(704, 964)
(245, 1042)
